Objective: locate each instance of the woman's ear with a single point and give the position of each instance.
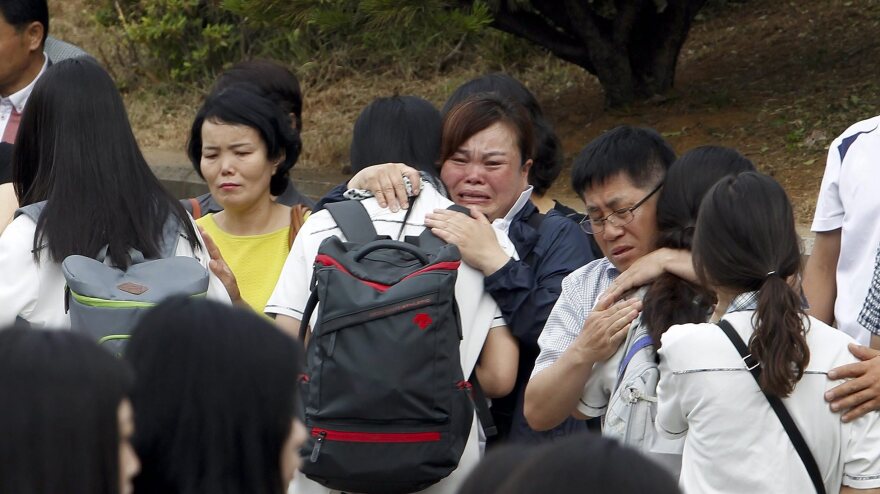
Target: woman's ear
(278, 162)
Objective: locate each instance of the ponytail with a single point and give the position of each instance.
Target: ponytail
(779, 342)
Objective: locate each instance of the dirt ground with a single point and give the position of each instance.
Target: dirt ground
(778, 80)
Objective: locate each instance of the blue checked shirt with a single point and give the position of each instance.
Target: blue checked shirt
(580, 292)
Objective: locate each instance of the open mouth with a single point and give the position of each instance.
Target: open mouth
(473, 197)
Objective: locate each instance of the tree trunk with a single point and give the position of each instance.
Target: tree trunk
(634, 54)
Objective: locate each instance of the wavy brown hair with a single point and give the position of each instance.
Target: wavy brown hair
(746, 241)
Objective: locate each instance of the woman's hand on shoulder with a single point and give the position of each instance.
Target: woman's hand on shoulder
(386, 183)
(649, 267)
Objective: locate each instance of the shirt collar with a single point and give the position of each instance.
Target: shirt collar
(19, 98)
(504, 223)
(743, 301)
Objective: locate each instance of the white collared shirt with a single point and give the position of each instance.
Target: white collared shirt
(503, 224)
(18, 99)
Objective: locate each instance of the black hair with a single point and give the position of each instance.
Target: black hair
(271, 80)
(480, 111)
(583, 463)
(496, 467)
(20, 13)
(5, 162)
(59, 420)
(548, 159)
(397, 129)
(241, 104)
(671, 300)
(215, 398)
(640, 153)
(746, 241)
(80, 155)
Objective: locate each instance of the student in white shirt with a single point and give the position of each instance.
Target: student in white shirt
(80, 156)
(747, 250)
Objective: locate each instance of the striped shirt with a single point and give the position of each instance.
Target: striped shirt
(580, 292)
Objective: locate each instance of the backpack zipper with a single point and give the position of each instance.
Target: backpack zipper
(320, 441)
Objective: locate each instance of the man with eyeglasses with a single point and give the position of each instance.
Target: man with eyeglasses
(618, 175)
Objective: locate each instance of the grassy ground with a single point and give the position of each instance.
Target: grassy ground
(777, 80)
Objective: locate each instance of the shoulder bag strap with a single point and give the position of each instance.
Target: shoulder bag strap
(351, 217)
(196, 208)
(298, 214)
(800, 445)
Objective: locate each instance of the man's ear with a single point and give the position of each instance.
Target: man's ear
(526, 167)
(33, 34)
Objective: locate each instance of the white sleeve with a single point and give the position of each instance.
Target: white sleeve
(20, 283)
(292, 290)
(562, 327)
(216, 290)
(829, 208)
(603, 378)
(671, 417)
(861, 464)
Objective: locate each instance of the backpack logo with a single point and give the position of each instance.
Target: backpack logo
(132, 288)
(422, 320)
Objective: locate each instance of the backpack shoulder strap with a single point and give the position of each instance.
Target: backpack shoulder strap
(428, 241)
(643, 341)
(800, 445)
(32, 211)
(351, 217)
(172, 231)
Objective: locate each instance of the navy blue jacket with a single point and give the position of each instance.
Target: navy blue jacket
(526, 292)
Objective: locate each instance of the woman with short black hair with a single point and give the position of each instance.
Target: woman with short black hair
(65, 421)
(216, 400)
(242, 144)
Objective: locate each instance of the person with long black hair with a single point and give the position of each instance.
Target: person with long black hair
(747, 251)
(66, 421)
(216, 400)
(80, 155)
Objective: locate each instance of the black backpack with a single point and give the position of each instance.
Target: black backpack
(386, 405)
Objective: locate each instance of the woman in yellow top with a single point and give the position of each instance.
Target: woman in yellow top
(243, 145)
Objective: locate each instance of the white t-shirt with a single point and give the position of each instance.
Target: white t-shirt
(735, 442)
(477, 309)
(35, 291)
(849, 198)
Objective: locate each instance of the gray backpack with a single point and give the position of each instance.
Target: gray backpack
(105, 302)
(632, 407)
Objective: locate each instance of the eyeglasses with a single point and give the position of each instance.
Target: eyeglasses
(616, 218)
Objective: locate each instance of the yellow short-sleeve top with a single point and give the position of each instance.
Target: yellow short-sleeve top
(256, 260)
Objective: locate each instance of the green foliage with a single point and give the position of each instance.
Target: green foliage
(191, 40)
(180, 40)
